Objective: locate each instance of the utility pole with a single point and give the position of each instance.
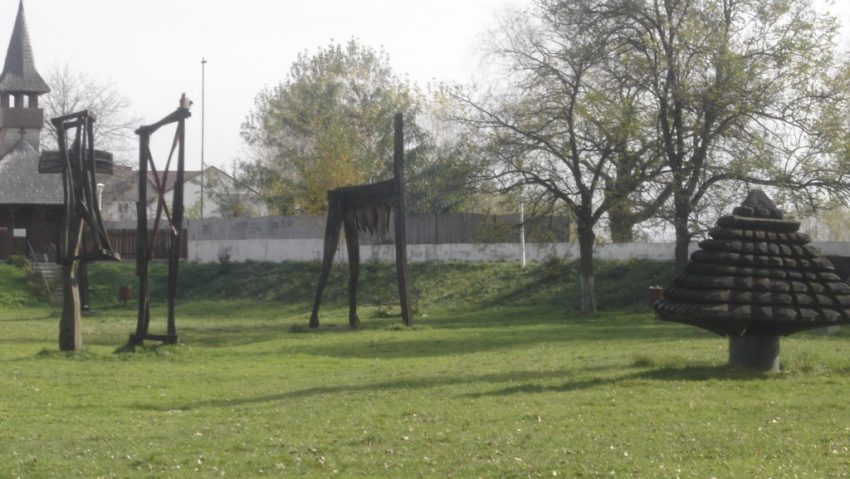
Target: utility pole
(203, 94)
(522, 231)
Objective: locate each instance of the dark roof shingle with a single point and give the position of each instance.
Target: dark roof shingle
(22, 184)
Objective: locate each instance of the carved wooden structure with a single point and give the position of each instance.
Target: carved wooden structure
(173, 216)
(755, 280)
(84, 238)
(367, 208)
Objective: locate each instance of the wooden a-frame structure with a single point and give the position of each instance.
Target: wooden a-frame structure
(367, 208)
(173, 216)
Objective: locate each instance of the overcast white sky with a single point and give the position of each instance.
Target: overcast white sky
(151, 49)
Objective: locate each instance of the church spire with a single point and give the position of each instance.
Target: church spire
(20, 86)
(19, 75)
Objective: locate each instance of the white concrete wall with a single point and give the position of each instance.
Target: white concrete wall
(311, 250)
(275, 250)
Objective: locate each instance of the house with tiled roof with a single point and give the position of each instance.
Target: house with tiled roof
(120, 194)
(31, 204)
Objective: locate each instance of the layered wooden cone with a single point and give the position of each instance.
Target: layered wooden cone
(756, 276)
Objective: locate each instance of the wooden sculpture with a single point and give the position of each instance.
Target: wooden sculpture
(174, 218)
(367, 208)
(84, 237)
(754, 280)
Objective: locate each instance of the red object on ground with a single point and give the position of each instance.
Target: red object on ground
(655, 293)
(125, 293)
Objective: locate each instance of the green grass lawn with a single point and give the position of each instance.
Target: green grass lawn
(498, 378)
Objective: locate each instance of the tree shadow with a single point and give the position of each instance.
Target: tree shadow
(701, 373)
(409, 344)
(23, 319)
(665, 374)
(424, 382)
(569, 386)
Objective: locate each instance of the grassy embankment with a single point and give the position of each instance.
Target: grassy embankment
(498, 378)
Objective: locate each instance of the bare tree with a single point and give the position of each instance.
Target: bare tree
(71, 91)
(564, 128)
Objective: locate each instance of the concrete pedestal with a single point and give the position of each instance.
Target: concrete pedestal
(758, 353)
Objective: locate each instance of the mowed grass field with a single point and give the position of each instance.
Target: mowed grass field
(499, 377)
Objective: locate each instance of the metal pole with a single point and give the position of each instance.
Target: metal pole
(100, 187)
(522, 231)
(203, 94)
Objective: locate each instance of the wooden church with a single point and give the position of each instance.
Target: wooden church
(31, 204)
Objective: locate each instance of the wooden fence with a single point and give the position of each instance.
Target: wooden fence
(11, 246)
(124, 242)
(455, 228)
(459, 228)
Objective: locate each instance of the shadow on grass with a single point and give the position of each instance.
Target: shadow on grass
(210, 324)
(24, 340)
(23, 319)
(322, 329)
(410, 344)
(687, 373)
(667, 374)
(425, 382)
(237, 323)
(701, 373)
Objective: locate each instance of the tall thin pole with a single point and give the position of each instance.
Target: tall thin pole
(203, 95)
(522, 231)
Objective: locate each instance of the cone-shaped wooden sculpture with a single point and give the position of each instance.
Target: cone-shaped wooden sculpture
(754, 281)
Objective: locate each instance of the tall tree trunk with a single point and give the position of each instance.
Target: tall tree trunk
(683, 235)
(621, 224)
(621, 218)
(586, 238)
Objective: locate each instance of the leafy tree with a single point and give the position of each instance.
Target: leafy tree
(631, 189)
(229, 193)
(443, 177)
(567, 127)
(328, 124)
(738, 90)
(72, 91)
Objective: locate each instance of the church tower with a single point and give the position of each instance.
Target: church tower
(20, 87)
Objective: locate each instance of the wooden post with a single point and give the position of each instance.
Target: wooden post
(332, 227)
(70, 336)
(352, 244)
(142, 242)
(83, 281)
(176, 233)
(755, 353)
(400, 219)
